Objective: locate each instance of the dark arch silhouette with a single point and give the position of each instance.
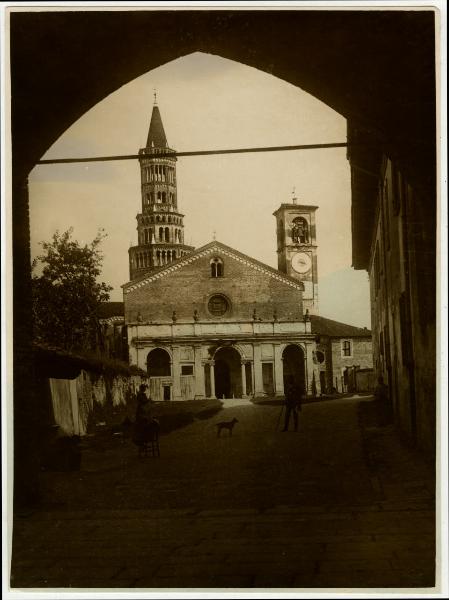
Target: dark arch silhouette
(98, 52)
(363, 64)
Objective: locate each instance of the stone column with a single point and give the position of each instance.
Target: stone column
(28, 425)
(200, 391)
(176, 373)
(243, 379)
(212, 378)
(312, 371)
(251, 377)
(278, 371)
(258, 381)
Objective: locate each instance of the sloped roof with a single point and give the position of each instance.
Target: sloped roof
(52, 361)
(106, 310)
(323, 326)
(156, 134)
(212, 247)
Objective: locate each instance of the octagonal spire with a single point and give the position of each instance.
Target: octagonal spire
(156, 134)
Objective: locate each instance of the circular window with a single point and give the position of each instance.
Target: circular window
(218, 305)
(320, 356)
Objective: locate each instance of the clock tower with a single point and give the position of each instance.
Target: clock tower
(297, 249)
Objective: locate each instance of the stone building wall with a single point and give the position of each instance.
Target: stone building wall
(403, 305)
(189, 288)
(361, 355)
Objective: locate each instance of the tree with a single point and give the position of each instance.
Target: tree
(66, 294)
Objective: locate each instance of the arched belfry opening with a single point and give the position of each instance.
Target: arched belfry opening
(228, 373)
(294, 367)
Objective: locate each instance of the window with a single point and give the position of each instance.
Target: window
(216, 267)
(319, 356)
(300, 231)
(268, 378)
(377, 269)
(186, 369)
(406, 331)
(346, 348)
(218, 305)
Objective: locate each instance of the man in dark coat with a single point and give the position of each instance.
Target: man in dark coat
(292, 405)
(143, 420)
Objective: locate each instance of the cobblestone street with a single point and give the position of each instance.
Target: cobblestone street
(341, 503)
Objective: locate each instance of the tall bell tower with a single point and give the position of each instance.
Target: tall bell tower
(297, 249)
(160, 227)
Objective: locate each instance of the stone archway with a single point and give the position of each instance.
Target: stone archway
(294, 367)
(158, 363)
(159, 373)
(228, 373)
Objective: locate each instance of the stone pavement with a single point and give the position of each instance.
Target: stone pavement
(340, 504)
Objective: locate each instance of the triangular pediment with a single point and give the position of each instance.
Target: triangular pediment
(214, 247)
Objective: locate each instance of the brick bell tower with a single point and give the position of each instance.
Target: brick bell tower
(160, 227)
(297, 248)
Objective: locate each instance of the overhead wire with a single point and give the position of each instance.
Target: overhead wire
(175, 154)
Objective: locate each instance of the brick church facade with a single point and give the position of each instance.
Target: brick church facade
(214, 322)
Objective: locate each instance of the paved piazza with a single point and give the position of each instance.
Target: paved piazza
(341, 503)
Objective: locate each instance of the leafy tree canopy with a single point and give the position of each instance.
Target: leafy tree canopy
(66, 294)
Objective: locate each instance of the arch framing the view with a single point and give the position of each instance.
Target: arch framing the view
(135, 47)
(100, 51)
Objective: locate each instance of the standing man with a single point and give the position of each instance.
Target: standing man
(292, 405)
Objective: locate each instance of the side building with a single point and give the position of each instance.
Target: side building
(341, 348)
(394, 239)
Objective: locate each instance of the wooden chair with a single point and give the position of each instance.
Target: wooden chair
(148, 440)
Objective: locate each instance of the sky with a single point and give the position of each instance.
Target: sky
(208, 102)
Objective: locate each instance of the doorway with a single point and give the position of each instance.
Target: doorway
(323, 382)
(228, 373)
(158, 363)
(293, 367)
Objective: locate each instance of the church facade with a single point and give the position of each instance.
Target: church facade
(214, 322)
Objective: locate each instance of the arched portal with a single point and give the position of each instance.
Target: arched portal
(228, 373)
(159, 372)
(158, 363)
(293, 366)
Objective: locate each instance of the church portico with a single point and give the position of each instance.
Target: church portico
(222, 360)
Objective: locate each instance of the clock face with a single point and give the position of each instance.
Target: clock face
(301, 262)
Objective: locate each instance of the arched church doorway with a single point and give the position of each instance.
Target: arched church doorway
(228, 373)
(158, 363)
(159, 372)
(293, 366)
